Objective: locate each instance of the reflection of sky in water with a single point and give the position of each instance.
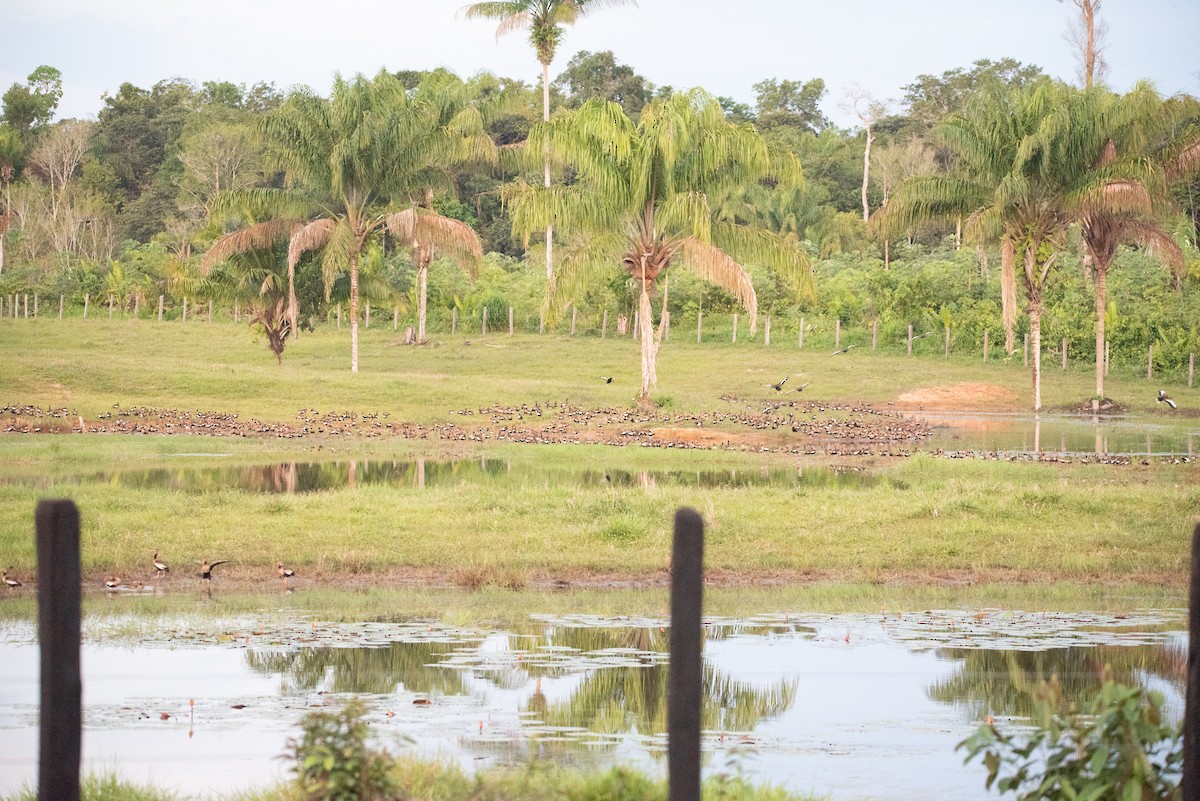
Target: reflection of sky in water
(846, 705)
(1027, 433)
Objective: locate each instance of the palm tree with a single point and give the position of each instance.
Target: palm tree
(247, 265)
(646, 194)
(545, 20)
(352, 163)
(1020, 174)
(1139, 144)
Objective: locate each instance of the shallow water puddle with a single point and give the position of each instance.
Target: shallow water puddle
(854, 706)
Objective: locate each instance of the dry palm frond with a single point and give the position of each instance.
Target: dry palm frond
(430, 228)
(312, 236)
(1188, 162)
(713, 264)
(254, 237)
(1160, 244)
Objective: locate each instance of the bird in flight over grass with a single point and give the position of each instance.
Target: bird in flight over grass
(843, 350)
(607, 379)
(1164, 398)
(801, 387)
(779, 387)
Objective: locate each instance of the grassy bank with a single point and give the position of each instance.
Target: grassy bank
(921, 520)
(90, 365)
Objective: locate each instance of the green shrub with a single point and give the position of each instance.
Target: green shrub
(333, 761)
(1120, 748)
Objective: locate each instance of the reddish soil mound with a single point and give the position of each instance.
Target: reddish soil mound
(975, 396)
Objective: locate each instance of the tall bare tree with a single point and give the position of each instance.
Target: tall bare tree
(1086, 33)
(868, 110)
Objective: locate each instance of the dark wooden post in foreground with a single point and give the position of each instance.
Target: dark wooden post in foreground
(58, 633)
(1191, 712)
(684, 677)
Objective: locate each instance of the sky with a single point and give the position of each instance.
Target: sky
(723, 46)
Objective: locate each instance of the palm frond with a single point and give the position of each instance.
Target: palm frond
(428, 227)
(580, 263)
(310, 237)
(253, 237)
(716, 266)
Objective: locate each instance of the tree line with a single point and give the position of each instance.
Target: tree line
(288, 202)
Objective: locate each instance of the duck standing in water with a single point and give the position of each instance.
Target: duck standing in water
(160, 565)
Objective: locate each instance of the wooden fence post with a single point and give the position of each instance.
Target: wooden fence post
(910, 339)
(735, 328)
(1064, 353)
(510, 321)
(454, 321)
(61, 301)
(604, 325)
(160, 307)
(26, 305)
(699, 323)
(685, 668)
(396, 318)
(1191, 708)
(483, 330)
(61, 712)
(874, 334)
(1150, 362)
(574, 315)
(837, 334)
(985, 345)
(367, 319)
(185, 308)
(767, 332)
(86, 297)
(947, 342)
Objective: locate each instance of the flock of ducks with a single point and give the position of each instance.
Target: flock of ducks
(112, 583)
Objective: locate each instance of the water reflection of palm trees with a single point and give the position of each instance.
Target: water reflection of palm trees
(633, 697)
(362, 670)
(1004, 683)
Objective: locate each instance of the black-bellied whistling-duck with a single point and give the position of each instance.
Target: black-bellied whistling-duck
(607, 379)
(1164, 398)
(11, 583)
(160, 565)
(801, 387)
(842, 350)
(285, 573)
(112, 582)
(207, 566)
(779, 387)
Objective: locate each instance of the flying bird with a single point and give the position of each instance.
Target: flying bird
(607, 379)
(779, 387)
(843, 350)
(1164, 398)
(801, 387)
(207, 566)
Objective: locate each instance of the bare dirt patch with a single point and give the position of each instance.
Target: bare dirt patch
(966, 397)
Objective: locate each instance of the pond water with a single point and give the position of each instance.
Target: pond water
(1024, 433)
(852, 705)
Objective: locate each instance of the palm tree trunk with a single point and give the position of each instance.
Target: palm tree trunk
(649, 346)
(354, 310)
(1101, 305)
(866, 175)
(1008, 293)
(424, 280)
(1035, 335)
(546, 167)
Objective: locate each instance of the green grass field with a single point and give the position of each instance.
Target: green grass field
(920, 520)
